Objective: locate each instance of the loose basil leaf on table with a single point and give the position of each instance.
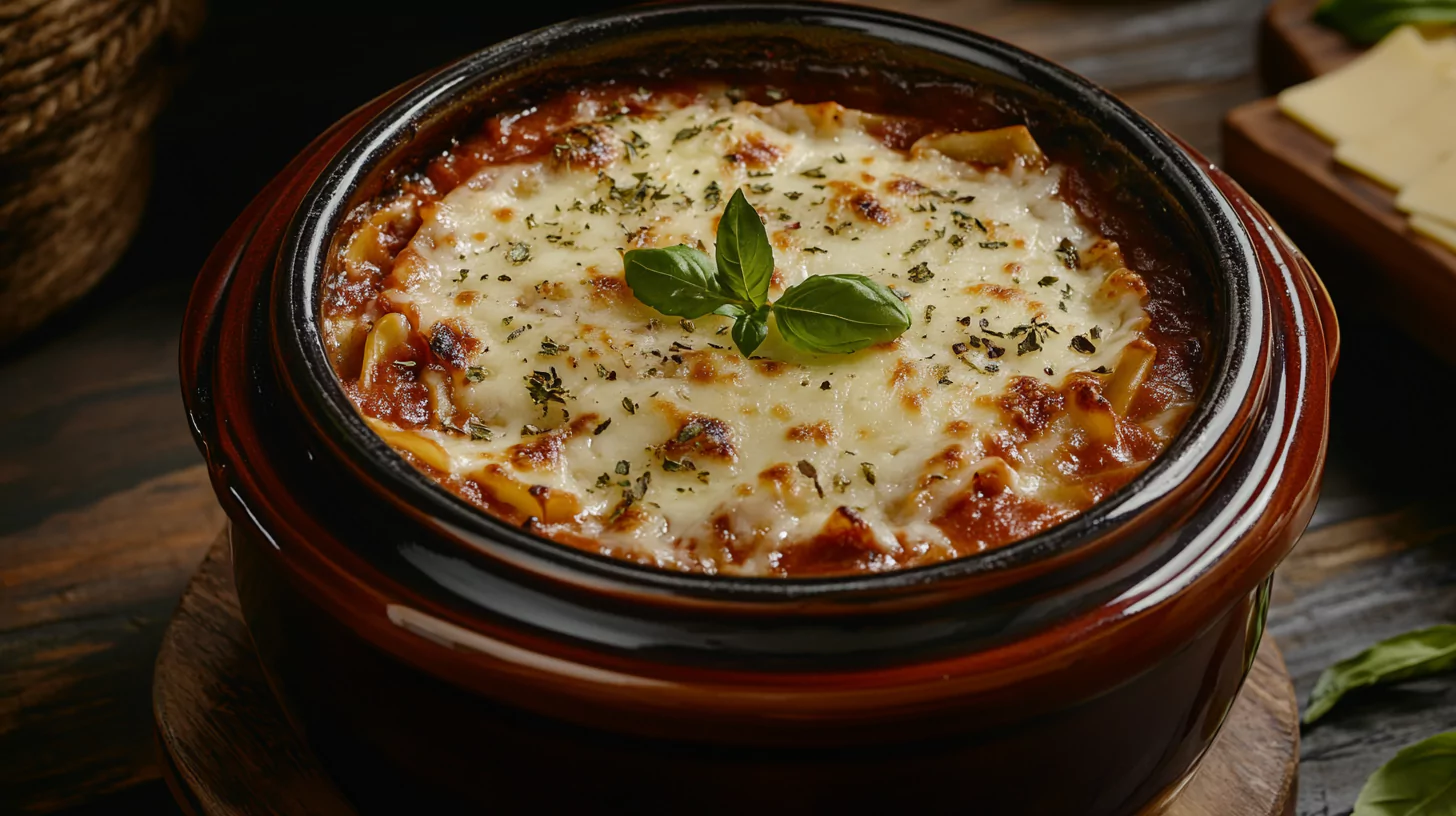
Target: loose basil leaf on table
(1367, 21)
(745, 257)
(750, 330)
(1419, 781)
(676, 280)
(1404, 657)
(838, 314)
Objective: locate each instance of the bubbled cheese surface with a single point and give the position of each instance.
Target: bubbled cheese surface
(527, 259)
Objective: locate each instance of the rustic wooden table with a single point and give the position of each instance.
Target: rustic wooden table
(105, 510)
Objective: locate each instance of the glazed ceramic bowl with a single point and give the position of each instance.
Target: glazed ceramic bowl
(437, 657)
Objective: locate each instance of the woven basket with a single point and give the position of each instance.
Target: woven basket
(80, 83)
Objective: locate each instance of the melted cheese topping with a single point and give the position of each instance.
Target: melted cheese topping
(567, 402)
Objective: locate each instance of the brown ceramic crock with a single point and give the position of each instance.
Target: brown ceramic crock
(441, 660)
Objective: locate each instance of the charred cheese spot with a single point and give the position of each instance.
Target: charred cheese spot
(591, 146)
(855, 200)
(951, 459)
(609, 290)
(820, 433)
(915, 400)
(756, 152)
(1102, 253)
(710, 368)
(904, 372)
(1124, 282)
(452, 345)
(541, 452)
(770, 368)
(702, 437)
(1031, 403)
(554, 290)
(996, 291)
(905, 187)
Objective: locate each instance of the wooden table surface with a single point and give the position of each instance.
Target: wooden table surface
(105, 510)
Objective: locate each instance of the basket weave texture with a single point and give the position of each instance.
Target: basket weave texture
(80, 84)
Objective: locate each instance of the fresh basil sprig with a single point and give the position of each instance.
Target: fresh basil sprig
(837, 314)
(1419, 781)
(1421, 653)
(826, 314)
(745, 257)
(1367, 21)
(750, 330)
(677, 280)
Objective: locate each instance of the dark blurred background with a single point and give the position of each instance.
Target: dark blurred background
(92, 431)
(89, 404)
(266, 77)
(263, 79)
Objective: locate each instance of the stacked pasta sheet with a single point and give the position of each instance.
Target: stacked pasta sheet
(1391, 115)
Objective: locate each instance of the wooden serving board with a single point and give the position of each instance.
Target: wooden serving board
(1348, 224)
(1294, 48)
(1362, 246)
(228, 749)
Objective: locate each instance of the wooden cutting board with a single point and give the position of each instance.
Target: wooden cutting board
(1294, 48)
(229, 750)
(1347, 224)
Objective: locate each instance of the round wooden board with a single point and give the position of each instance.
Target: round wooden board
(229, 750)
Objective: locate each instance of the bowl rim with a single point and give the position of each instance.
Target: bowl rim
(303, 262)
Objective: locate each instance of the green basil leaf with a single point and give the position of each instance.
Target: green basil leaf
(1419, 781)
(745, 257)
(749, 331)
(839, 314)
(732, 310)
(1367, 21)
(1404, 657)
(677, 280)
